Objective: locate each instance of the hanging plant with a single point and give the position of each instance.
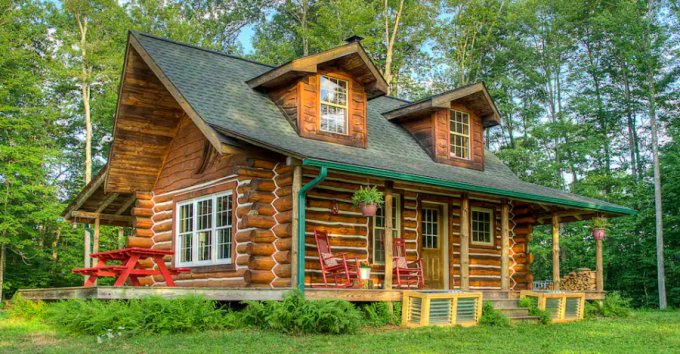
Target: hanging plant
(598, 226)
(368, 199)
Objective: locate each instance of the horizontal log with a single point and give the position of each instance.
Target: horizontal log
(284, 217)
(142, 212)
(263, 209)
(283, 230)
(259, 221)
(162, 227)
(143, 233)
(283, 270)
(284, 180)
(142, 223)
(263, 185)
(283, 169)
(144, 195)
(243, 248)
(259, 163)
(144, 203)
(283, 244)
(261, 276)
(242, 211)
(282, 257)
(529, 219)
(340, 241)
(283, 204)
(260, 249)
(142, 242)
(162, 207)
(328, 217)
(336, 229)
(261, 263)
(242, 259)
(284, 191)
(281, 283)
(255, 172)
(165, 237)
(253, 196)
(214, 283)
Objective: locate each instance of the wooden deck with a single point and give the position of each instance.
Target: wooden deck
(234, 294)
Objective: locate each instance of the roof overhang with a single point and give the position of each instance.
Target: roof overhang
(474, 96)
(350, 57)
(610, 210)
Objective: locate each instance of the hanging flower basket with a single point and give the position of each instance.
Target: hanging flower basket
(368, 199)
(368, 209)
(598, 234)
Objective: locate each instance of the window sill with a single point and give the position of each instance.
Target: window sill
(210, 268)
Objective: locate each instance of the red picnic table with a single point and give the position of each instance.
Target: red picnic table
(129, 266)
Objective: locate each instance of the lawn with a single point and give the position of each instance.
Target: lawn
(645, 331)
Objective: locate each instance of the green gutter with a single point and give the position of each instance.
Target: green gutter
(302, 218)
(463, 186)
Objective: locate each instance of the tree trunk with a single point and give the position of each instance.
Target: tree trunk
(636, 168)
(661, 273)
(389, 42)
(86, 72)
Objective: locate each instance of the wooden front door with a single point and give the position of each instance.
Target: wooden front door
(432, 239)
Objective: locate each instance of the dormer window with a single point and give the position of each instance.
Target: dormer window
(333, 99)
(459, 127)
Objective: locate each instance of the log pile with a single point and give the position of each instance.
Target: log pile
(582, 279)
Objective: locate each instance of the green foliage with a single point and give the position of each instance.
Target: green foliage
(368, 195)
(145, 315)
(613, 306)
(599, 223)
(532, 304)
(26, 309)
(492, 317)
(295, 315)
(378, 314)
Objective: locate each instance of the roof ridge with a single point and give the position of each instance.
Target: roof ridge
(199, 48)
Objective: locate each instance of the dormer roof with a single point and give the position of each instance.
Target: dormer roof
(350, 57)
(474, 96)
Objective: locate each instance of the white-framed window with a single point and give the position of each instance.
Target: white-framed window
(204, 230)
(482, 226)
(333, 98)
(379, 229)
(459, 126)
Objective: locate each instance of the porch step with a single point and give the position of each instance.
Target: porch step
(500, 294)
(499, 304)
(511, 309)
(526, 319)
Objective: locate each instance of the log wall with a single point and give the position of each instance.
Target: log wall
(262, 209)
(352, 233)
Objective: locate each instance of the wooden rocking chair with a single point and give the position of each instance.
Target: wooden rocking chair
(406, 275)
(336, 266)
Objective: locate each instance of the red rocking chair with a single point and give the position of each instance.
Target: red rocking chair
(408, 275)
(336, 266)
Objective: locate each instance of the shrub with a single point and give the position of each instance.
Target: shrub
(613, 305)
(532, 305)
(378, 314)
(27, 309)
(295, 315)
(493, 317)
(145, 315)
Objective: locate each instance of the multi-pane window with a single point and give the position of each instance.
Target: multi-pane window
(333, 105)
(204, 230)
(430, 227)
(482, 226)
(459, 134)
(379, 229)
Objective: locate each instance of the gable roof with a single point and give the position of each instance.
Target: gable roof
(351, 57)
(473, 95)
(215, 86)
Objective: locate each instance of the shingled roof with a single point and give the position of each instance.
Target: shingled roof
(215, 86)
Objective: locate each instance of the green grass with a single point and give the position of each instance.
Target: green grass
(643, 332)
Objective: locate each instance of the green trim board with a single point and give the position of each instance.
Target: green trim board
(302, 225)
(464, 186)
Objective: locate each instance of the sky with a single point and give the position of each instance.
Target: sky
(245, 37)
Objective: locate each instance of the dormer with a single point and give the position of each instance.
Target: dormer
(324, 95)
(450, 126)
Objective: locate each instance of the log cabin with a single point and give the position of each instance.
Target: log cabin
(234, 164)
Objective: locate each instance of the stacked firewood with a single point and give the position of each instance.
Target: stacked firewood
(581, 279)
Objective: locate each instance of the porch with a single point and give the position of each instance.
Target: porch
(238, 294)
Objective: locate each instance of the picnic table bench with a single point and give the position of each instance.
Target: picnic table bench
(129, 266)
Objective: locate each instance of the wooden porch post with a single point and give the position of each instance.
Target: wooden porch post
(465, 242)
(505, 243)
(95, 239)
(387, 282)
(599, 267)
(121, 238)
(556, 251)
(88, 246)
(297, 184)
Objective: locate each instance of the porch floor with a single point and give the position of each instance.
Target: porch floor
(237, 294)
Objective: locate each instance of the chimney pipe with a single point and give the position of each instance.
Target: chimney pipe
(353, 39)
